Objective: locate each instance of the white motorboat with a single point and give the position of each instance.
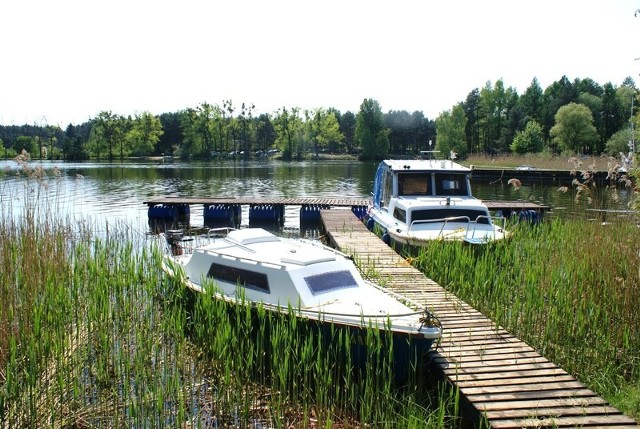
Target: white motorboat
(317, 283)
(417, 201)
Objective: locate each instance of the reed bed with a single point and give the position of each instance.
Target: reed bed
(92, 334)
(570, 288)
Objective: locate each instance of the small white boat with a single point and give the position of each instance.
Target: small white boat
(317, 283)
(417, 201)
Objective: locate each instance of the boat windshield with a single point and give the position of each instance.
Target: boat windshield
(414, 184)
(331, 281)
(451, 184)
(437, 214)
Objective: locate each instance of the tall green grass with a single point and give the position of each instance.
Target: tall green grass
(570, 288)
(92, 334)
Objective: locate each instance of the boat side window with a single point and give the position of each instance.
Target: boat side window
(327, 282)
(400, 214)
(414, 184)
(451, 184)
(387, 189)
(245, 278)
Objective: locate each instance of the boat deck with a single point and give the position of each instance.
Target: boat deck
(500, 377)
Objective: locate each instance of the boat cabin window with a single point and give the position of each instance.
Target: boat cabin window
(414, 184)
(451, 184)
(328, 282)
(432, 214)
(245, 278)
(400, 214)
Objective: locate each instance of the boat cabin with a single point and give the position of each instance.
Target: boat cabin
(411, 179)
(260, 266)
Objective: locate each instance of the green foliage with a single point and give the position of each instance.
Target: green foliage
(371, 134)
(496, 102)
(619, 142)
(409, 133)
(323, 130)
(108, 132)
(347, 123)
(144, 133)
(265, 133)
(24, 143)
(532, 101)
(495, 115)
(574, 131)
(245, 128)
(450, 128)
(531, 140)
(289, 129)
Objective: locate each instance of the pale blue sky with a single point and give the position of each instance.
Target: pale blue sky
(65, 61)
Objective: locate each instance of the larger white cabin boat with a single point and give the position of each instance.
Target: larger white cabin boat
(417, 201)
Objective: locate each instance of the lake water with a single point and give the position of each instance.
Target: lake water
(112, 193)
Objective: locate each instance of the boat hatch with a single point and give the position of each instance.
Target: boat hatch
(247, 236)
(306, 257)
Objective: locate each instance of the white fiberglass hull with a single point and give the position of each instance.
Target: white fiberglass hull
(425, 233)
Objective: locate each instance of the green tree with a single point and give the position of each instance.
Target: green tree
(145, 132)
(108, 130)
(495, 105)
(371, 134)
(288, 126)
(265, 133)
(530, 140)
(347, 122)
(472, 129)
(25, 143)
(450, 129)
(247, 128)
(172, 135)
(73, 145)
(531, 102)
(323, 130)
(556, 95)
(203, 131)
(574, 131)
(400, 126)
(192, 142)
(619, 142)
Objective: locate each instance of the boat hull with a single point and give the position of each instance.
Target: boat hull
(354, 351)
(397, 233)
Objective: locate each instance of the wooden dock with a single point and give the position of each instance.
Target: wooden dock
(500, 377)
(510, 206)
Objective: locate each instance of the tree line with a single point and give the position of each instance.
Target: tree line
(574, 117)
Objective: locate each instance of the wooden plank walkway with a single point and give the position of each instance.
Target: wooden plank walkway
(499, 375)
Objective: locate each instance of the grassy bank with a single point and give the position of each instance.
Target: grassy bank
(570, 289)
(544, 162)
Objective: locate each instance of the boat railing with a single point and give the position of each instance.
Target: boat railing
(179, 243)
(445, 221)
(470, 224)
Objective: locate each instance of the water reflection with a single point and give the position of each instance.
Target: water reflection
(115, 192)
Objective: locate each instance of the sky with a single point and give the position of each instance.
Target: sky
(65, 61)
